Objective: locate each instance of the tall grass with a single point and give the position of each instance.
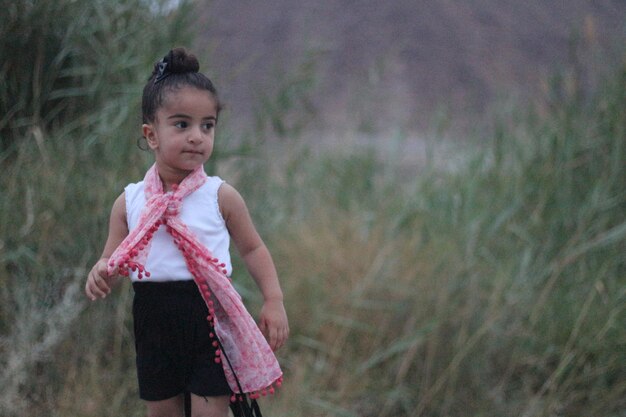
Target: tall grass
(494, 289)
(72, 73)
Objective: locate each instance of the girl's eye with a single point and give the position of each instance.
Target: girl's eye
(181, 124)
(209, 125)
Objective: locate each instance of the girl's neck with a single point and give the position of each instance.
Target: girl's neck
(167, 186)
(171, 177)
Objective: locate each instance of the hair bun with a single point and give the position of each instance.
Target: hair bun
(182, 61)
(179, 61)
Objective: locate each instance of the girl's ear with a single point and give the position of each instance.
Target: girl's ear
(149, 134)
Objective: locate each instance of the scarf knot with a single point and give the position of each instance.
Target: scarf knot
(173, 207)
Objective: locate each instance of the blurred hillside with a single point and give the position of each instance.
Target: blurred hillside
(377, 63)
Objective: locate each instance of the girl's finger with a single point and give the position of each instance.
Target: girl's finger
(272, 337)
(263, 328)
(97, 286)
(102, 285)
(283, 337)
(92, 292)
(103, 270)
(88, 291)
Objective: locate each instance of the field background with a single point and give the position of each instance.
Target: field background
(442, 187)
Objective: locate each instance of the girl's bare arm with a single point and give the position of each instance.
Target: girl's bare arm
(273, 318)
(98, 281)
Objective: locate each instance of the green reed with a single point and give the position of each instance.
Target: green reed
(497, 289)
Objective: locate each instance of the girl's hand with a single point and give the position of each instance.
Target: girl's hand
(98, 281)
(273, 323)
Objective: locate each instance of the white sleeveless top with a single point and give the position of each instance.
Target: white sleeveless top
(201, 213)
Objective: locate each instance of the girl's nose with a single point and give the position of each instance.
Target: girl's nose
(195, 136)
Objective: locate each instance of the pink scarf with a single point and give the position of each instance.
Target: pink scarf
(247, 352)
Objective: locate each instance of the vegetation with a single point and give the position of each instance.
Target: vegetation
(72, 75)
(495, 289)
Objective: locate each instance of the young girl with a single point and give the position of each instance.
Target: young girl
(170, 233)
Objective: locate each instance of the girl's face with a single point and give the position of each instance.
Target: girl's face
(183, 131)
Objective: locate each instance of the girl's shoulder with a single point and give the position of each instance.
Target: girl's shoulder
(230, 201)
(119, 206)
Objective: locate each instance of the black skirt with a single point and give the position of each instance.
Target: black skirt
(172, 342)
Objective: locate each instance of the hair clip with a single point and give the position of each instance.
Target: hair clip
(162, 72)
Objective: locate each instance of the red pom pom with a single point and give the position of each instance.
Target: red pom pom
(218, 360)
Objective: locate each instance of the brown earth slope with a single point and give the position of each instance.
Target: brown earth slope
(398, 60)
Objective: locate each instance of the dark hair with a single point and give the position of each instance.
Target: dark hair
(177, 69)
